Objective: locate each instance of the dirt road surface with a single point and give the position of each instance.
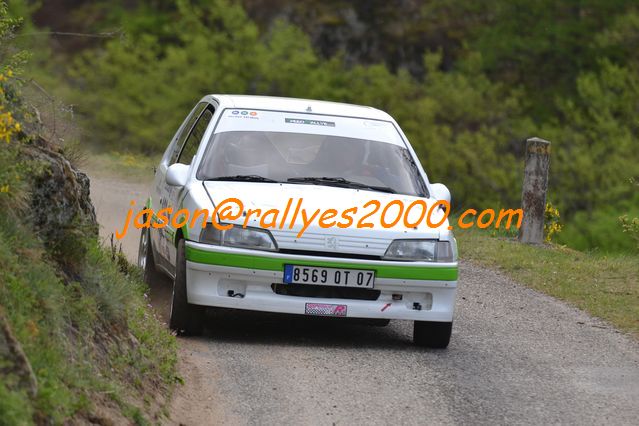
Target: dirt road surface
(516, 357)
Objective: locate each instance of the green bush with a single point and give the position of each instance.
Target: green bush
(600, 230)
(630, 224)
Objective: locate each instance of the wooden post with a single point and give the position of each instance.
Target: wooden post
(533, 194)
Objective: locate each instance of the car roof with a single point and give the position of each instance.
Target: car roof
(300, 105)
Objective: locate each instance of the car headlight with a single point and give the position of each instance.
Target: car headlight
(421, 250)
(237, 236)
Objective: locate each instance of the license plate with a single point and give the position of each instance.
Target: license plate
(294, 274)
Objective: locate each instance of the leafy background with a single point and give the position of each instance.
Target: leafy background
(468, 81)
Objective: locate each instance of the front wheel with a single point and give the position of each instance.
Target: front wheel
(430, 334)
(186, 319)
(145, 259)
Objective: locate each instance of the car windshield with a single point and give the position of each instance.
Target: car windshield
(261, 153)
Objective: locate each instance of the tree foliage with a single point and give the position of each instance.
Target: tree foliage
(467, 81)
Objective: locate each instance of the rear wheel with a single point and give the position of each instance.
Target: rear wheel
(145, 259)
(430, 334)
(186, 319)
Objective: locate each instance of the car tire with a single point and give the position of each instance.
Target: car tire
(186, 319)
(430, 334)
(151, 275)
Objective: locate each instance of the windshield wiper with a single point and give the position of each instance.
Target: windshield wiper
(417, 175)
(244, 178)
(339, 182)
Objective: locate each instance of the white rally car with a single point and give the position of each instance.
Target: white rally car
(270, 153)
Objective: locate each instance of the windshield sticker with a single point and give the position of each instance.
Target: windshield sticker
(243, 114)
(311, 122)
(254, 120)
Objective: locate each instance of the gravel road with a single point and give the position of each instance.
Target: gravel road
(516, 357)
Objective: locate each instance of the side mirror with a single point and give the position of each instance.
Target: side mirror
(177, 174)
(439, 191)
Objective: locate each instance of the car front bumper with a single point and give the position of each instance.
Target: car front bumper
(242, 279)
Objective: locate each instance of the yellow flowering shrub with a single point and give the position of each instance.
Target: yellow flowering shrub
(551, 222)
(10, 166)
(8, 125)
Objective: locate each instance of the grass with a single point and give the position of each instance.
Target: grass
(92, 342)
(606, 286)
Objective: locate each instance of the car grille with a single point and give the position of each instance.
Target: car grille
(316, 241)
(330, 254)
(324, 291)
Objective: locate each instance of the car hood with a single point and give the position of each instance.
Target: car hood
(367, 241)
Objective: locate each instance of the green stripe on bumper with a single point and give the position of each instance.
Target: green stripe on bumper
(400, 271)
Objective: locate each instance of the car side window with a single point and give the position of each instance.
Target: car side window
(186, 130)
(194, 139)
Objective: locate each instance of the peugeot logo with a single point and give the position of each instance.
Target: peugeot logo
(331, 242)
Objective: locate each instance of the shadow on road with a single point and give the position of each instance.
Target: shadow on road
(245, 327)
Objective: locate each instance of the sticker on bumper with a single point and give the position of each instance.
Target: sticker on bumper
(325, 309)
